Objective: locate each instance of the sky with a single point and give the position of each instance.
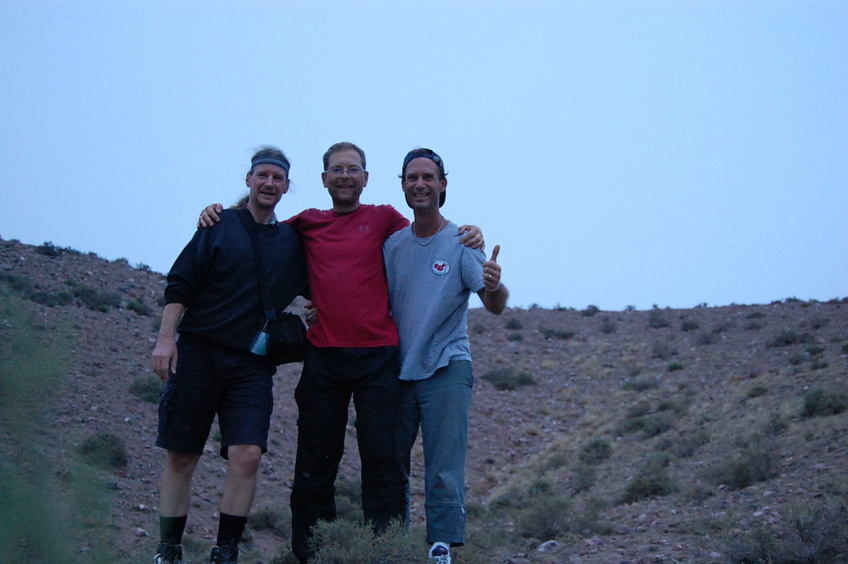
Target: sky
(666, 153)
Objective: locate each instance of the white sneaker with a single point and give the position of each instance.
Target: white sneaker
(439, 555)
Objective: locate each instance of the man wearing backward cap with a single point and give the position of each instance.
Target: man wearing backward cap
(431, 276)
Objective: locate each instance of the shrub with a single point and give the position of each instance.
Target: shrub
(508, 379)
(140, 308)
(656, 319)
(663, 350)
(548, 517)
(563, 334)
(479, 328)
(675, 366)
(514, 324)
(689, 326)
(354, 543)
(641, 384)
(517, 337)
(104, 450)
(608, 326)
(590, 311)
(706, 339)
(819, 402)
(275, 520)
(814, 534)
(652, 482)
(147, 389)
(595, 451)
(756, 463)
(48, 249)
(787, 337)
(757, 391)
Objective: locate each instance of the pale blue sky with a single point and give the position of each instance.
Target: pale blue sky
(621, 153)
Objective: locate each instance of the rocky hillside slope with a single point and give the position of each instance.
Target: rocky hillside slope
(666, 433)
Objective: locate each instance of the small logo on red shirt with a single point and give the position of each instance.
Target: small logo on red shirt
(440, 267)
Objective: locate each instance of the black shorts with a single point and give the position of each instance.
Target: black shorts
(210, 380)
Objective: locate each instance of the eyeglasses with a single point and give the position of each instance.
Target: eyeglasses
(352, 170)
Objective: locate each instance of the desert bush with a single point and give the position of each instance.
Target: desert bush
(97, 300)
(755, 463)
(753, 326)
(651, 424)
(755, 315)
(517, 337)
(797, 359)
(348, 542)
(641, 384)
(819, 322)
(689, 326)
(583, 477)
(547, 517)
(104, 450)
(508, 379)
(608, 326)
(563, 334)
(814, 534)
(48, 249)
(663, 350)
(814, 350)
(514, 324)
(656, 319)
(595, 451)
(140, 308)
(845, 348)
(274, 519)
(147, 389)
(675, 366)
(757, 391)
(787, 337)
(706, 339)
(590, 311)
(479, 328)
(649, 483)
(819, 402)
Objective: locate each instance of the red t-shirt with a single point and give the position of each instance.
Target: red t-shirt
(347, 278)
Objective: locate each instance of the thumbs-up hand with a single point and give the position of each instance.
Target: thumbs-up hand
(492, 271)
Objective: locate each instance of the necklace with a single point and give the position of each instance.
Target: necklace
(424, 241)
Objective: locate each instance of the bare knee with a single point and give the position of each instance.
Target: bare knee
(244, 459)
(181, 462)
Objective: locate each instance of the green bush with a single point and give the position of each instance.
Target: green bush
(756, 463)
(590, 311)
(641, 384)
(140, 308)
(276, 520)
(514, 324)
(105, 451)
(147, 389)
(651, 482)
(508, 379)
(595, 451)
(656, 319)
(675, 366)
(689, 326)
(820, 402)
(813, 534)
(787, 337)
(608, 326)
(347, 542)
(562, 334)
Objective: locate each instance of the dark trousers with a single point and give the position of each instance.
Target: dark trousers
(331, 376)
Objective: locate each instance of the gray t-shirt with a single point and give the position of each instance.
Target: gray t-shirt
(430, 280)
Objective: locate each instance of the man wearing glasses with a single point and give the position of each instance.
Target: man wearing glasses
(352, 351)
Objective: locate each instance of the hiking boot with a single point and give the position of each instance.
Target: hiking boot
(439, 555)
(168, 553)
(227, 554)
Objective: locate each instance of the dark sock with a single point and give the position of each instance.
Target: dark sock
(230, 529)
(171, 529)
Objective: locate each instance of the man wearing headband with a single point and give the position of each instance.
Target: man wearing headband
(213, 300)
(431, 276)
(352, 351)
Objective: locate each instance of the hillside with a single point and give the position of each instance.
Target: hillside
(630, 436)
